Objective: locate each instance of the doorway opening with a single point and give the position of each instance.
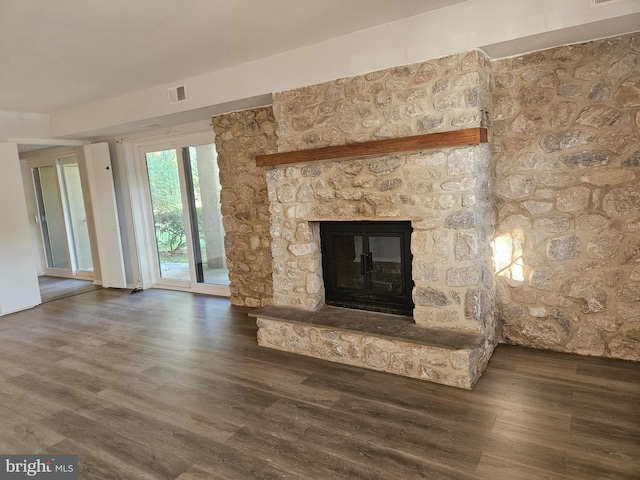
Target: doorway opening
(185, 231)
(62, 218)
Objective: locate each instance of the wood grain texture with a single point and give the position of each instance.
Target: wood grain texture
(164, 385)
(55, 288)
(469, 136)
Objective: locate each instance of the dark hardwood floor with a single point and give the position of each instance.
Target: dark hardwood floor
(164, 385)
(55, 288)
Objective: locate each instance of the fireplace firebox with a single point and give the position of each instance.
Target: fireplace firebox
(367, 265)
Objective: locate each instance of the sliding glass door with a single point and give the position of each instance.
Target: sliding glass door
(186, 221)
(168, 221)
(77, 218)
(62, 217)
(203, 194)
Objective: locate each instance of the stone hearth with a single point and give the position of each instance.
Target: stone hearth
(376, 341)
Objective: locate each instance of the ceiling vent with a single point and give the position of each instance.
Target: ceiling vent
(177, 94)
(600, 3)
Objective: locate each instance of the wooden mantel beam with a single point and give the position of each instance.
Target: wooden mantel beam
(456, 138)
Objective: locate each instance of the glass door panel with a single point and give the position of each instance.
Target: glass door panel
(51, 217)
(168, 220)
(80, 244)
(386, 264)
(348, 258)
(184, 215)
(367, 265)
(203, 195)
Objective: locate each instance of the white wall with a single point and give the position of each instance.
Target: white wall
(461, 27)
(24, 125)
(121, 172)
(18, 274)
(97, 164)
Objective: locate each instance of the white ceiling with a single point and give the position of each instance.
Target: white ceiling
(55, 54)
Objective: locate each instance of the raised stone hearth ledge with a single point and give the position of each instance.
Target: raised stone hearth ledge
(382, 342)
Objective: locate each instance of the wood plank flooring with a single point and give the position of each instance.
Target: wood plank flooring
(170, 385)
(55, 288)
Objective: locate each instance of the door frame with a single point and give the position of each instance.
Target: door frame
(56, 161)
(78, 273)
(143, 214)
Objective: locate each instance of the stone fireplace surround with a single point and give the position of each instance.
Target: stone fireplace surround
(565, 156)
(442, 192)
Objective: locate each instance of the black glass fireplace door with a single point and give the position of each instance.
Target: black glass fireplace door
(367, 265)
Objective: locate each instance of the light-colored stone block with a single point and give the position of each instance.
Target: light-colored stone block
(437, 364)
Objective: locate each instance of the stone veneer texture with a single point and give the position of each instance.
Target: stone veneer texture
(458, 368)
(240, 136)
(447, 93)
(565, 125)
(566, 157)
(439, 191)
(443, 192)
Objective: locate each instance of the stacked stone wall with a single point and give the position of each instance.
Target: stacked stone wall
(240, 136)
(566, 142)
(565, 151)
(437, 191)
(442, 192)
(448, 93)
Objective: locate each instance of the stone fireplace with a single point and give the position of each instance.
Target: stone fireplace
(441, 191)
(442, 195)
(563, 179)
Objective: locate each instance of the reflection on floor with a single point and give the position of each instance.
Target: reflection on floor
(54, 288)
(180, 271)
